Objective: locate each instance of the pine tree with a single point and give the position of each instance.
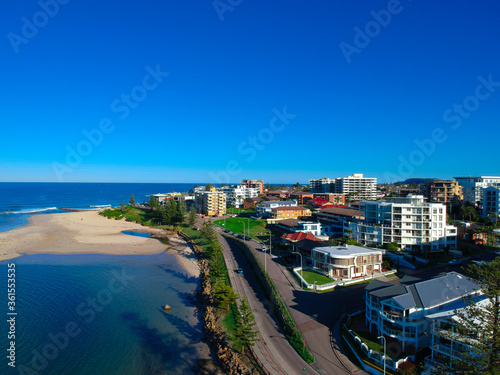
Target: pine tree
(224, 295)
(482, 323)
(181, 210)
(192, 216)
(123, 206)
(245, 334)
(132, 200)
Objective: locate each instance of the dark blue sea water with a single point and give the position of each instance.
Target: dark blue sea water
(100, 314)
(19, 200)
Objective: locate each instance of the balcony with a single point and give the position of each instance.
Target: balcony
(392, 315)
(393, 332)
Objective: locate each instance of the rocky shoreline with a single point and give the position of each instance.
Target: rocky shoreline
(229, 361)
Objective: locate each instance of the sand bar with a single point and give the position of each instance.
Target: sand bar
(89, 233)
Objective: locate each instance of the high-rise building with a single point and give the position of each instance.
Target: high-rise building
(322, 185)
(472, 186)
(210, 203)
(444, 191)
(236, 194)
(259, 184)
(410, 222)
(491, 201)
(357, 187)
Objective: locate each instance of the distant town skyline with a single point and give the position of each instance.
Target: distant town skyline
(281, 91)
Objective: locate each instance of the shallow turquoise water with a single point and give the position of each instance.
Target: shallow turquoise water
(101, 314)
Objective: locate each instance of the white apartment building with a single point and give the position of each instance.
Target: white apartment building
(402, 312)
(346, 262)
(491, 201)
(356, 186)
(236, 194)
(410, 222)
(472, 186)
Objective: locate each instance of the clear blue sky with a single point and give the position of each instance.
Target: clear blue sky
(354, 103)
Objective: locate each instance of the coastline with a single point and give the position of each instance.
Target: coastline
(86, 232)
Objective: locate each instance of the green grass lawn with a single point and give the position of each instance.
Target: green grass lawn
(311, 277)
(234, 224)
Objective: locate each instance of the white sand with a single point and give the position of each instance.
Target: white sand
(89, 233)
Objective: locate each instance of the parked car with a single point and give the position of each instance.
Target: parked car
(454, 262)
(239, 270)
(263, 248)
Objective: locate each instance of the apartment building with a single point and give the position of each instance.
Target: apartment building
(301, 197)
(401, 312)
(236, 194)
(322, 185)
(362, 188)
(357, 186)
(444, 191)
(210, 203)
(346, 262)
(472, 186)
(249, 203)
(491, 201)
(410, 222)
(336, 221)
(254, 184)
(289, 212)
(264, 208)
(448, 342)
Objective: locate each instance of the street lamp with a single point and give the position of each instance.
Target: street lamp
(270, 243)
(385, 348)
(244, 237)
(301, 270)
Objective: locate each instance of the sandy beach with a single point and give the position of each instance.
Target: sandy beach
(89, 233)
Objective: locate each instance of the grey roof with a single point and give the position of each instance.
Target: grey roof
(407, 279)
(377, 284)
(424, 294)
(442, 289)
(391, 291)
(280, 203)
(406, 301)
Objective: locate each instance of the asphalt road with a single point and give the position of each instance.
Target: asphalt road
(273, 350)
(315, 314)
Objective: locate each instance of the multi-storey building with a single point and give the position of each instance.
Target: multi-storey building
(410, 222)
(322, 185)
(337, 221)
(357, 186)
(346, 262)
(256, 184)
(301, 197)
(297, 226)
(265, 208)
(249, 203)
(472, 186)
(289, 212)
(491, 201)
(401, 312)
(362, 188)
(444, 191)
(236, 194)
(448, 342)
(210, 203)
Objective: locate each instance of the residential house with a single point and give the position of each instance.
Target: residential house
(346, 262)
(249, 203)
(264, 208)
(338, 199)
(282, 194)
(294, 226)
(401, 312)
(298, 236)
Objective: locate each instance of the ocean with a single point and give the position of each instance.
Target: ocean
(20, 200)
(94, 314)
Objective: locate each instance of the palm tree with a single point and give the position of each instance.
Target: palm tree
(494, 215)
(468, 210)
